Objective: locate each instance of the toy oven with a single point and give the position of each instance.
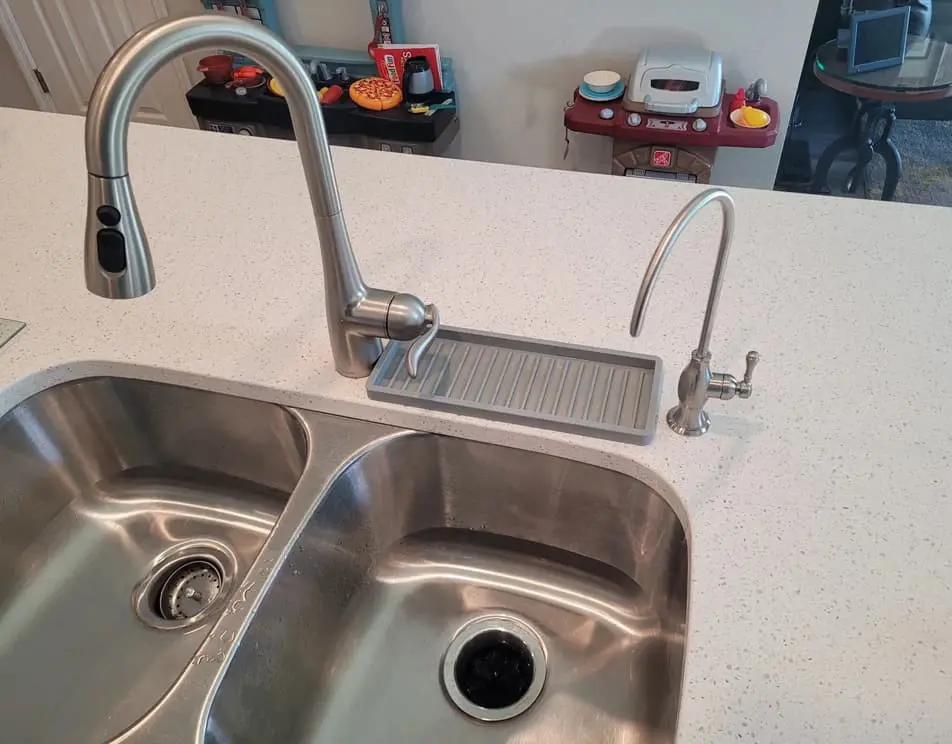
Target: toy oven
(693, 164)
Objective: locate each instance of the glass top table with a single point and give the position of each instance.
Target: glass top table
(924, 75)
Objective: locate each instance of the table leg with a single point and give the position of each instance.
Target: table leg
(829, 156)
(890, 155)
(868, 137)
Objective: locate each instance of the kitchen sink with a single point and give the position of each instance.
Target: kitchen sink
(179, 565)
(130, 512)
(444, 590)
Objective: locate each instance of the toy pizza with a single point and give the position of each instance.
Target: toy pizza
(375, 93)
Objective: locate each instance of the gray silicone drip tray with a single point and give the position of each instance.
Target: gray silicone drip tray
(578, 389)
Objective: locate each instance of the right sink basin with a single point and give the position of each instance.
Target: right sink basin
(451, 591)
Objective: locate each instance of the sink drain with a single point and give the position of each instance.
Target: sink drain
(185, 587)
(494, 669)
(189, 590)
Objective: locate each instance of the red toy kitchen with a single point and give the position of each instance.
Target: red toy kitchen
(673, 114)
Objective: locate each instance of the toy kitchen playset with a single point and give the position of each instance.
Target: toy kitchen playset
(672, 115)
(390, 96)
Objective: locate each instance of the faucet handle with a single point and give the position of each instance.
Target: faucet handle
(422, 342)
(745, 387)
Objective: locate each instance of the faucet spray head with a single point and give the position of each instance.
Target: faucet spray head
(118, 261)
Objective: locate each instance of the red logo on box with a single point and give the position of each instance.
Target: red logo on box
(661, 159)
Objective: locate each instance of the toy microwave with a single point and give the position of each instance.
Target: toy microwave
(676, 81)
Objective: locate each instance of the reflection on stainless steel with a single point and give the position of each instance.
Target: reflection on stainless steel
(424, 533)
(697, 383)
(118, 258)
(491, 574)
(333, 625)
(102, 479)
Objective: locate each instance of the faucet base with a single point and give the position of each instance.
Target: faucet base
(687, 424)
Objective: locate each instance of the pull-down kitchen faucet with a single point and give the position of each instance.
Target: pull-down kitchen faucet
(118, 261)
(697, 383)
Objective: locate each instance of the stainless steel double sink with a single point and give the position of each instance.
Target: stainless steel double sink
(180, 566)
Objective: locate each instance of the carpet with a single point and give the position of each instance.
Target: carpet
(926, 150)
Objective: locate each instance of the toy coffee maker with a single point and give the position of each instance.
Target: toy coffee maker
(418, 81)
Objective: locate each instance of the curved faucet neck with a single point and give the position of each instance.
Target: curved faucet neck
(663, 250)
(136, 61)
(113, 99)
(118, 260)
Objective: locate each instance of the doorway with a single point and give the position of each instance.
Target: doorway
(62, 45)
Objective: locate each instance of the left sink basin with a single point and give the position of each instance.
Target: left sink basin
(128, 512)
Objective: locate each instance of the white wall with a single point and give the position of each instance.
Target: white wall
(340, 23)
(517, 62)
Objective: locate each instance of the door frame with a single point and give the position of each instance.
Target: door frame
(21, 52)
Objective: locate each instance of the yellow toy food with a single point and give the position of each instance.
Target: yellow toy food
(753, 117)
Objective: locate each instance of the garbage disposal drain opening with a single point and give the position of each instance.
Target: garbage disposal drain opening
(494, 668)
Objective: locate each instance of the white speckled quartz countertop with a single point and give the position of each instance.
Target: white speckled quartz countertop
(819, 510)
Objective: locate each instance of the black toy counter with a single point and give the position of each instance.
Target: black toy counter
(260, 113)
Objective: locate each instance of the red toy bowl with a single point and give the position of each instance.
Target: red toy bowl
(216, 68)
